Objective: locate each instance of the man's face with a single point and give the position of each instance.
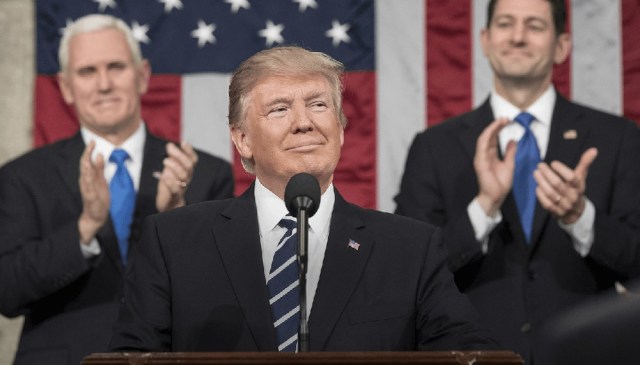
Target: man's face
(103, 83)
(290, 125)
(521, 41)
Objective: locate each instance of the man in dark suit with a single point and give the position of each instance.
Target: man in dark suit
(582, 231)
(202, 276)
(61, 264)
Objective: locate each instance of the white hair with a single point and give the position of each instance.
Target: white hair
(93, 22)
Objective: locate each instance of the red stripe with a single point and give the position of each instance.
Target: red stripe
(449, 58)
(161, 106)
(562, 72)
(53, 119)
(355, 175)
(631, 58)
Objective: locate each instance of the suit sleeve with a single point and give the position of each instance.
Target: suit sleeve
(422, 196)
(212, 180)
(144, 321)
(446, 320)
(35, 259)
(617, 226)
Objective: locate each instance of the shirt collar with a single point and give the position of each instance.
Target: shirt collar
(271, 209)
(134, 145)
(541, 109)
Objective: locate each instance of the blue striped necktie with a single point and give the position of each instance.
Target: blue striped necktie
(123, 201)
(524, 185)
(284, 288)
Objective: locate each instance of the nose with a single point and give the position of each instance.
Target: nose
(518, 35)
(302, 121)
(104, 80)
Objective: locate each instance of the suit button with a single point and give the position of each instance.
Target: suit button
(525, 328)
(532, 275)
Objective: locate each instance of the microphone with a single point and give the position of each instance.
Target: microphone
(302, 192)
(302, 198)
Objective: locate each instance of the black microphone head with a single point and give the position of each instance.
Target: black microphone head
(302, 192)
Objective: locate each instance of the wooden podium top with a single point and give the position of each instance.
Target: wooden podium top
(314, 358)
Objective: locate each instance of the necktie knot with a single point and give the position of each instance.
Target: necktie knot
(524, 119)
(119, 156)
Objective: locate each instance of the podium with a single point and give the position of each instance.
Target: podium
(312, 358)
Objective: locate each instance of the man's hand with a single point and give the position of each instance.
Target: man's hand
(95, 195)
(175, 176)
(561, 190)
(495, 176)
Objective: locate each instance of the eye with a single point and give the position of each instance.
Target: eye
(117, 66)
(278, 112)
(319, 106)
(86, 71)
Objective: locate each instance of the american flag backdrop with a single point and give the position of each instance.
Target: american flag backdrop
(410, 64)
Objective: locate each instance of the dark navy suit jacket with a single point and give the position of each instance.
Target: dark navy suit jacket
(516, 286)
(197, 284)
(70, 303)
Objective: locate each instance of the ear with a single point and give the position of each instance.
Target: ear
(242, 143)
(65, 87)
(563, 48)
(484, 40)
(144, 74)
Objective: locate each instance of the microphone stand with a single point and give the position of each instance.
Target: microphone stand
(303, 231)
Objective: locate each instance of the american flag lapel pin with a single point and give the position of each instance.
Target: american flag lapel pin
(353, 244)
(570, 134)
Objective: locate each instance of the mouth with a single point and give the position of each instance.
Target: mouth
(105, 103)
(304, 147)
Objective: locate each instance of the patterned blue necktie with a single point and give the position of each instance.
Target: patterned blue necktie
(524, 185)
(123, 201)
(284, 288)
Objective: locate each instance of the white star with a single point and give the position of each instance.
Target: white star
(237, 4)
(102, 4)
(304, 4)
(272, 33)
(204, 33)
(170, 4)
(140, 32)
(64, 29)
(338, 33)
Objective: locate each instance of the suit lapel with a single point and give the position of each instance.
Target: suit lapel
(69, 166)
(566, 139)
(341, 270)
(154, 154)
(238, 242)
(473, 126)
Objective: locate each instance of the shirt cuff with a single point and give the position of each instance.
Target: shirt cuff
(482, 223)
(91, 250)
(581, 231)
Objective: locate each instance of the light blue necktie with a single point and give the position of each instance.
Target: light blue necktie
(524, 185)
(283, 284)
(123, 201)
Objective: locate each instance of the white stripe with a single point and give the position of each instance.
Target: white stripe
(286, 316)
(596, 72)
(204, 113)
(400, 65)
(288, 342)
(284, 292)
(482, 74)
(282, 267)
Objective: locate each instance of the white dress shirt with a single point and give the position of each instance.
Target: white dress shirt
(134, 146)
(542, 109)
(271, 210)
